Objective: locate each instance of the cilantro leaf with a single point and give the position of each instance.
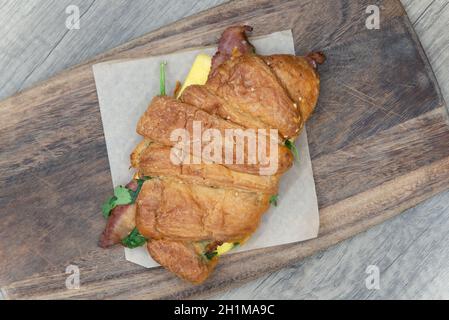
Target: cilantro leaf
(291, 145)
(274, 200)
(134, 240)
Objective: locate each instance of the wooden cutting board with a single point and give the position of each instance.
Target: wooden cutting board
(379, 141)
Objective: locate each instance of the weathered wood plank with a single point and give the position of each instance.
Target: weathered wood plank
(36, 43)
(409, 250)
(118, 278)
(375, 160)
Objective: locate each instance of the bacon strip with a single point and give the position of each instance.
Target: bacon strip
(120, 223)
(233, 38)
(315, 58)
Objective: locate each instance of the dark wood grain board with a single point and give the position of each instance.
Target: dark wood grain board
(379, 142)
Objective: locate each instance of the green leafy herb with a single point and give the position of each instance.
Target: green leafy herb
(274, 200)
(162, 78)
(140, 183)
(122, 196)
(134, 240)
(210, 255)
(291, 145)
(108, 206)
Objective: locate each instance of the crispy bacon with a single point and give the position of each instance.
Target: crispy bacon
(120, 223)
(234, 39)
(315, 58)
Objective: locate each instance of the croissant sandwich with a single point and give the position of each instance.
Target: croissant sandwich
(212, 156)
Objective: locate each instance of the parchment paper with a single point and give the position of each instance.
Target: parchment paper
(125, 89)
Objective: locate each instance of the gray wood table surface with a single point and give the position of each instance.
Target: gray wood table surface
(411, 250)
